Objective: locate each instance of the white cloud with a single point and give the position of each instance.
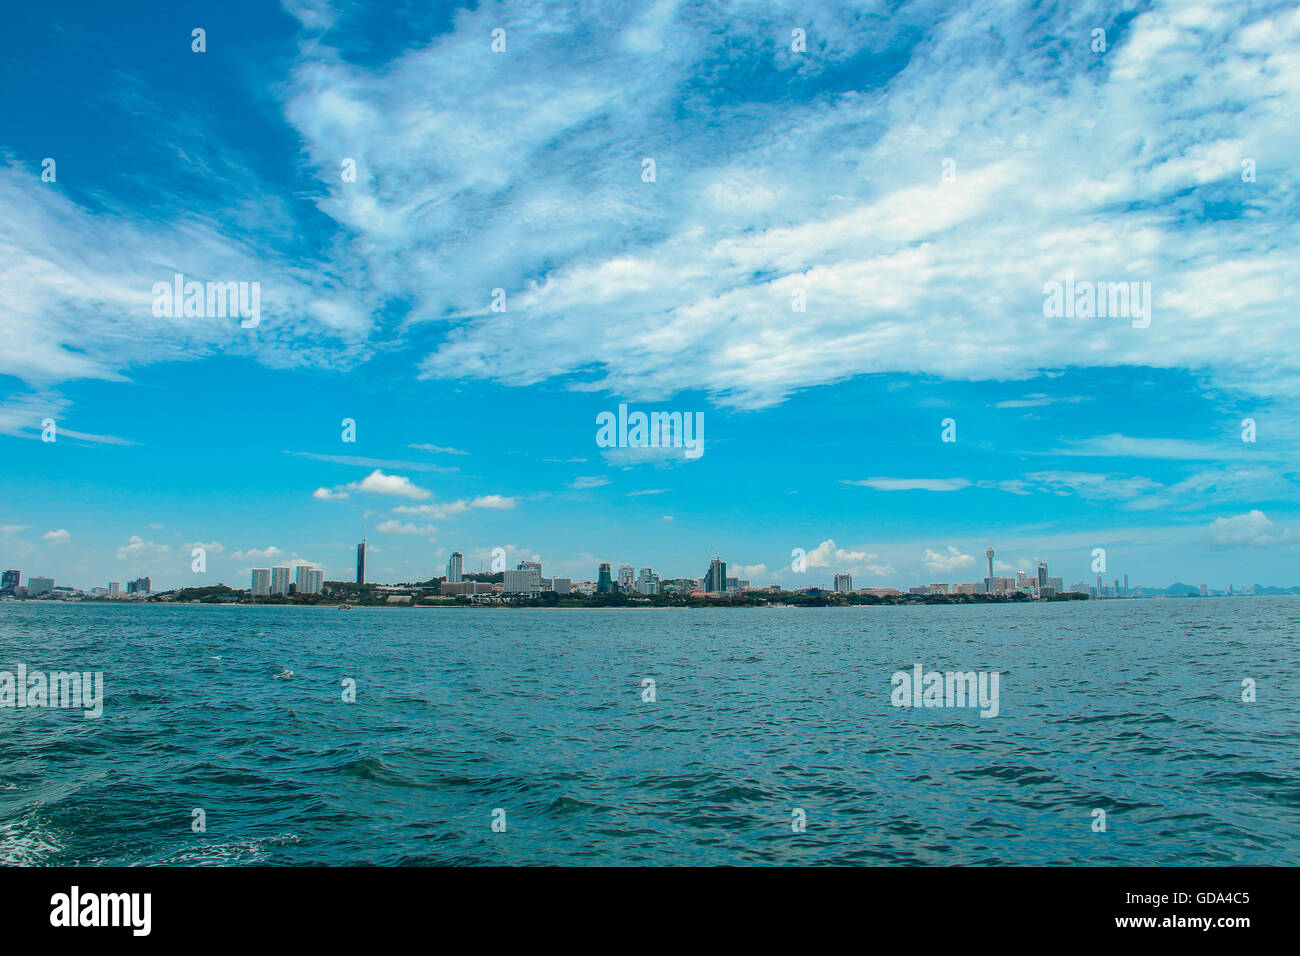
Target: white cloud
(137, 547)
(450, 508)
(588, 481)
(938, 562)
(393, 526)
(211, 547)
(439, 449)
(1250, 530)
(496, 502)
(266, 555)
(328, 494)
(381, 484)
(912, 484)
(57, 537)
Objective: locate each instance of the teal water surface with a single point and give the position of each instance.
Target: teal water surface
(1131, 707)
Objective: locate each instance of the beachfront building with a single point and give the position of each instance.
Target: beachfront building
(261, 582)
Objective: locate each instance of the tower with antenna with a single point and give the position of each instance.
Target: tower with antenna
(988, 582)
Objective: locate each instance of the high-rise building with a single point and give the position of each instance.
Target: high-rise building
(280, 580)
(139, 586)
(647, 582)
(625, 575)
(261, 581)
(604, 583)
(535, 569)
(1042, 575)
(988, 582)
(562, 585)
(715, 579)
(454, 568)
(1125, 593)
(114, 589)
(39, 586)
(10, 580)
(361, 562)
(309, 580)
(843, 583)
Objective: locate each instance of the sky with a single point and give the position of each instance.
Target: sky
(830, 230)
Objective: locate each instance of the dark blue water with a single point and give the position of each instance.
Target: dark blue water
(1132, 707)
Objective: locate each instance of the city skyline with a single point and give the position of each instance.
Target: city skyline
(528, 576)
(849, 281)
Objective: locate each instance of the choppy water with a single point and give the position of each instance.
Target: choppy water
(1131, 707)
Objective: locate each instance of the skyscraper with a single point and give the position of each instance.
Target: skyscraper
(361, 562)
(715, 579)
(280, 580)
(454, 566)
(308, 579)
(1042, 575)
(626, 573)
(604, 583)
(843, 583)
(261, 581)
(11, 579)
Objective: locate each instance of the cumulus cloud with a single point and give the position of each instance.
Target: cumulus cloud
(267, 554)
(939, 562)
(137, 547)
(211, 547)
(381, 484)
(827, 554)
(57, 537)
(1250, 530)
(393, 526)
(448, 509)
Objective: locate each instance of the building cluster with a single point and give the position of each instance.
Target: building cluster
(307, 580)
(527, 580)
(45, 588)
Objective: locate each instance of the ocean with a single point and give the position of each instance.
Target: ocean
(768, 736)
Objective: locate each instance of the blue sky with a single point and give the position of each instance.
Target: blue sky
(778, 173)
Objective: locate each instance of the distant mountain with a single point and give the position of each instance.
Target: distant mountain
(1179, 589)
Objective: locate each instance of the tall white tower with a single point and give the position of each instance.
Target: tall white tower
(988, 582)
